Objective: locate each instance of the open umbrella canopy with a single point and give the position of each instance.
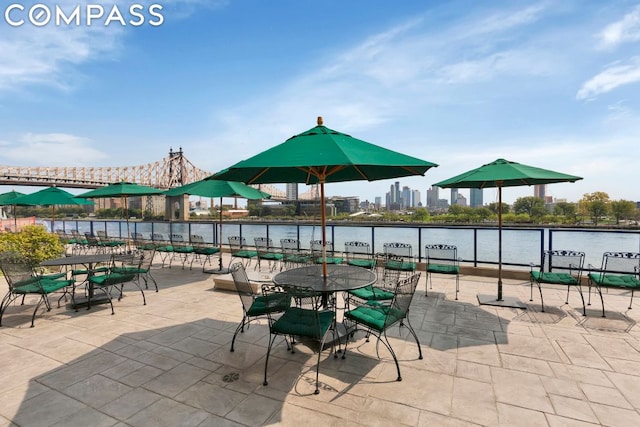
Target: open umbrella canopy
(51, 196)
(504, 173)
(9, 197)
(322, 155)
(120, 189)
(216, 188)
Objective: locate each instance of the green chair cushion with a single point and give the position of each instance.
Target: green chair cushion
(272, 256)
(371, 293)
(111, 279)
(206, 251)
(330, 260)
(302, 322)
(555, 278)
(85, 271)
(364, 263)
(164, 248)
(615, 280)
(269, 304)
(44, 286)
(245, 254)
(443, 269)
(375, 317)
(183, 249)
(401, 265)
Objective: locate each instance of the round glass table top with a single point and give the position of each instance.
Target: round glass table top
(339, 277)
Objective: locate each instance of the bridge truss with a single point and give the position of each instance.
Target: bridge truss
(170, 172)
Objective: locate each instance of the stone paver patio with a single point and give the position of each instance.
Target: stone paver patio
(168, 364)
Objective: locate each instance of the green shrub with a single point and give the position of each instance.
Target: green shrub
(34, 243)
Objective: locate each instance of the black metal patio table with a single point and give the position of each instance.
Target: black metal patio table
(339, 277)
(88, 261)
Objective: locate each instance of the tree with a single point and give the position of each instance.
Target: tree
(493, 207)
(596, 205)
(534, 206)
(420, 215)
(623, 209)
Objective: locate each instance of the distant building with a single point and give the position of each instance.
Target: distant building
(415, 198)
(432, 197)
(461, 200)
(476, 197)
(540, 191)
(346, 204)
(378, 202)
(454, 196)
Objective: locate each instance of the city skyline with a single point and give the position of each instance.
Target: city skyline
(459, 83)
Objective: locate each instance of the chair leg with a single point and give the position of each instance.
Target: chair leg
(457, 286)
(415, 337)
(266, 360)
(541, 298)
(387, 344)
(33, 316)
(239, 328)
(601, 299)
(631, 302)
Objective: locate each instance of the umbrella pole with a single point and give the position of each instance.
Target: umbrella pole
(220, 238)
(15, 220)
(499, 243)
(323, 222)
(126, 215)
(53, 217)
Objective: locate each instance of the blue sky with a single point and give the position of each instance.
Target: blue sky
(459, 83)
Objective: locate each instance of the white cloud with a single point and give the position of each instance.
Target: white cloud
(616, 75)
(52, 149)
(625, 30)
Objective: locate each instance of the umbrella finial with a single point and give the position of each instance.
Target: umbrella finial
(320, 122)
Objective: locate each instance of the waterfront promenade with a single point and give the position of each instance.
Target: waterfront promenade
(168, 364)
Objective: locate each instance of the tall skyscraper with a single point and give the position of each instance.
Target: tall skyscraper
(406, 197)
(432, 197)
(454, 196)
(292, 191)
(476, 197)
(415, 198)
(540, 191)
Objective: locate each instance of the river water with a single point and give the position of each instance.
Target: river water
(520, 246)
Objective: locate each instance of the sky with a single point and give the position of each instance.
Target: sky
(459, 83)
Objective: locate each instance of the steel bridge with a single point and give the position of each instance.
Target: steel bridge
(172, 171)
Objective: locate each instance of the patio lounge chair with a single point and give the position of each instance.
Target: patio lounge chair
(309, 319)
(619, 270)
(377, 319)
(23, 281)
(267, 252)
(239, 249)
(559, 267)
(253, 306)
(442, 259)
(407, 265)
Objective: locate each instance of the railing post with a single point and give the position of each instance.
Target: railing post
(475, 247)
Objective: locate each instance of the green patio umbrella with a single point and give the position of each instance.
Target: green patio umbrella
(51, 196)
(503, 173)
(216, 188)
(7, 199)
(322, 155)
(123, 190)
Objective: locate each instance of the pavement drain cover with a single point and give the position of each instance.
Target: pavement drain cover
(231, 377)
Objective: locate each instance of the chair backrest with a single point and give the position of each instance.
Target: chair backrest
(242, 285)
(357, 248)
(197, 239)
(567, 261)
(101, 234)
(389, 277)
(403, 295)
(316, 246)
(91, 239)
(237, 242)
(397, 248)
(263, 242)
(290, 245)
(441, 254)
(147, 260)
(158, 238)
(15, 269)
(177, 238)
(621, 262)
